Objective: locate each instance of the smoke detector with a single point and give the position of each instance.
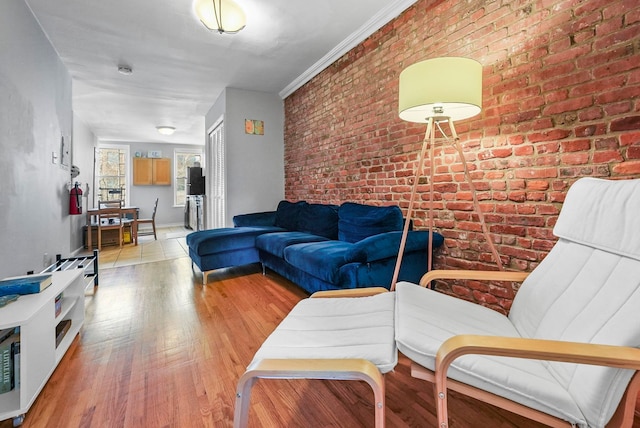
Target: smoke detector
(125, 69)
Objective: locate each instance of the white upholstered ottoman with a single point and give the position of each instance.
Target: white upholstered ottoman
(348, 338)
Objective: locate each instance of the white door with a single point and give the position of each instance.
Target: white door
(216, 196)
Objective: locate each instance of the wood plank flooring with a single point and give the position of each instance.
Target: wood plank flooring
(160, 350)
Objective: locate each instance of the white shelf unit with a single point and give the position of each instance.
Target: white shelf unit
(35, 315)
(89, 264)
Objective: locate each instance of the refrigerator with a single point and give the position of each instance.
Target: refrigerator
(195, 181)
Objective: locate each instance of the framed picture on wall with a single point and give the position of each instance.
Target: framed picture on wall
(255, 127)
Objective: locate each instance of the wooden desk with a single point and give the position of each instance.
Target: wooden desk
(125, 210)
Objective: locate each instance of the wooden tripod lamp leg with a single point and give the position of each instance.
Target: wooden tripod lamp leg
(476, 205)
(428, 136)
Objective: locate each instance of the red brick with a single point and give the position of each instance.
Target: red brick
(537, 173)
(607, 156)
(633, 152)
(626, 124)
(625, 168)
(575, 159)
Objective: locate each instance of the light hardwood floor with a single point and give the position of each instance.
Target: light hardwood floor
(170, 244)
(158, 349)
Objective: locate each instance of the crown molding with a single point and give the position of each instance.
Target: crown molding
(391, 11)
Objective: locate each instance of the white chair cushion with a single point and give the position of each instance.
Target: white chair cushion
(602, 214)
(335, 328)
(587, 289)
(426, 318)
(582, 294)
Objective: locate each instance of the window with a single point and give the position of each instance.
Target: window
(111, 174)
(183, 159)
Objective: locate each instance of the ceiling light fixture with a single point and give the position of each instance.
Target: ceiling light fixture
(223, 16)
(166, 130)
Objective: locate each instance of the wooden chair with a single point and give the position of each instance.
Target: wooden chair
(151, 221)
(572, 331)
(566, 355)
(116, 203)
(110, 219)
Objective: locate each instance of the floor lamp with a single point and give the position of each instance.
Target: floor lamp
(437, 91)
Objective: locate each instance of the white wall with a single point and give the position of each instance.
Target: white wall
(254, 163)
(84, 143)
(35, 112)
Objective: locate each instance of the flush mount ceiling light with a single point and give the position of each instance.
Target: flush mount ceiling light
(223, 16)
(166, 130)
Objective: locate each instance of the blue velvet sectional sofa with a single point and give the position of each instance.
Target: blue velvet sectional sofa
(317, 246)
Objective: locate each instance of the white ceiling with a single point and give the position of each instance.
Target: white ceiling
(180, 68)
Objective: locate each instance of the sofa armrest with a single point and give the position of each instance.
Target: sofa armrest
(386, 245)
(267, 218)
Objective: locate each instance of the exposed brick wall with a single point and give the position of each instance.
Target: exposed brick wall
(561, 100)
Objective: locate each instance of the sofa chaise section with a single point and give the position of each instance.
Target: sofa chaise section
(225, 247)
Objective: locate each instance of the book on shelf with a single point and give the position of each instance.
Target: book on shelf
(58, 304)
(9, 359)
(15, 353)
(25, 284)
(61, 329)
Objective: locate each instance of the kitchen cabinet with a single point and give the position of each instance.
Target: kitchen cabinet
(151, 171)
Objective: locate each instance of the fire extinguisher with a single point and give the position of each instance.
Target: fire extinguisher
(75, 200)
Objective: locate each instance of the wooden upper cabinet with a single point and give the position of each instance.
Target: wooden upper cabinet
(142, 171)
(151, 171)
(162, 171)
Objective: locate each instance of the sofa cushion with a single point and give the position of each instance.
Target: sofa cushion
(357, 221)
(275, 243)
(322, 259)
(288, 214)
(215, 241)
(319, 219)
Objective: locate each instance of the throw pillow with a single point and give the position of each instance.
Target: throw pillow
(288, 214)
(357, 221)
(319, 219)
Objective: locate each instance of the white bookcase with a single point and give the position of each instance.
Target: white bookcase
(35, 315)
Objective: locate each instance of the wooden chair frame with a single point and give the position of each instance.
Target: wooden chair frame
(151, 221)
(581, 353)
(108, 214)
(328, 369)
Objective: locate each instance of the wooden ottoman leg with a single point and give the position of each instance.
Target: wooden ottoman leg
(243, 397)
(328, 369)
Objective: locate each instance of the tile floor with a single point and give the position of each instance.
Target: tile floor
(171, 244)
